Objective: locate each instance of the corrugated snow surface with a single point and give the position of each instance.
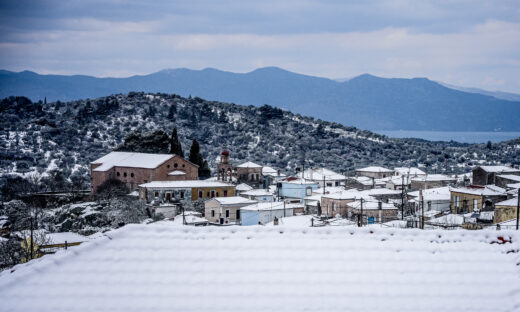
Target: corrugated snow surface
(161, 267)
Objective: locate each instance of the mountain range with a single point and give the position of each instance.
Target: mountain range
(366, 101)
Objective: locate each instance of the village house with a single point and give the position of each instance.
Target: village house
(138, 168)
(364, 183)
(474, 197)
(506, 180)
(435, 199)
(258, 195)
(505, 210)
(190, 194)
(373, 211)
(374, 172)
(484, 175)
(336, 203)
(296, 189)
(271, 176)
(383, 194)
(398, 182)
(225, 210)
(265, 212)
(409, 171)
(250, 173)
(431, 181)
(242, 187)
(323, 176)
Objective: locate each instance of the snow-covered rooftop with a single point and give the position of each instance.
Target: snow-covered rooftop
(184, 184)
(257, 192)
(499, 169)
(249, 164)
(243, 187)
(347, 194)
(132, 160)
(165, 267)
(234, 200)
(370, 205)
(513, 202)
(271, 206)
(375, 169)
(411, 171)
(268, 171)
(488, 190)
(301, 181)
(433, 194)
(319, 174)
(381, 191)
(510, 177)
(434, 177)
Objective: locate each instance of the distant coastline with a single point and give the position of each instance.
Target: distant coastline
(457, 136)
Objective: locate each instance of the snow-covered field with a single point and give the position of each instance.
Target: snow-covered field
(169, 267)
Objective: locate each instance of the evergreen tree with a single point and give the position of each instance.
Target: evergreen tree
(204, 171)
(175, 144)
(172, 111)
(195, 156)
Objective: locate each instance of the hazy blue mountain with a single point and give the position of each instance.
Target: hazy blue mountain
(366, 101)
(498, 94)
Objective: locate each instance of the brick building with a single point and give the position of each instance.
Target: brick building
(250, 173)
(138, 168)
(484, 175)
(191, 194)
(473, 197)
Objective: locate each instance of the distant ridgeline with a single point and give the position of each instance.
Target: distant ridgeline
(366, 101)
(43, 136)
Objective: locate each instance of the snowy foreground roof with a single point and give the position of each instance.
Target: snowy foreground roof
(133, 160)
(162, 267)
(184, 184)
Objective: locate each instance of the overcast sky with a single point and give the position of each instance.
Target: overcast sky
(467, 43)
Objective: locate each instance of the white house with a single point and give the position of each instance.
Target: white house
(323, 176)
(374, 172)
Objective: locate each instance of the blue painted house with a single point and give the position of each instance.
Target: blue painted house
(297, 189)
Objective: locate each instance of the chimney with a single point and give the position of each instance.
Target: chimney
(379, 205)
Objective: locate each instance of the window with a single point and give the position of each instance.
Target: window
(201, 194)
(182, 194)
(168, 166)
(212, 194)
(456, 200)
(132, 174)
(308, 191)
(118, 174)
(337, 183)
(238, 214)
(145, 181)
(225, 193)
(124, 174)
(156, 194)
(227, 213)
(207, 195)
(329, 184)
(475, 204)
(175, 165)
(213, 213)
(217, 194)
(183, 165)
(131, 186)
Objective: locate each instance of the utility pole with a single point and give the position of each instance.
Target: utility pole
(518, 209)
(402, 197)
(422, 209)
(323, 184)
(360, 223)
(32, 244)
(284, 208)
